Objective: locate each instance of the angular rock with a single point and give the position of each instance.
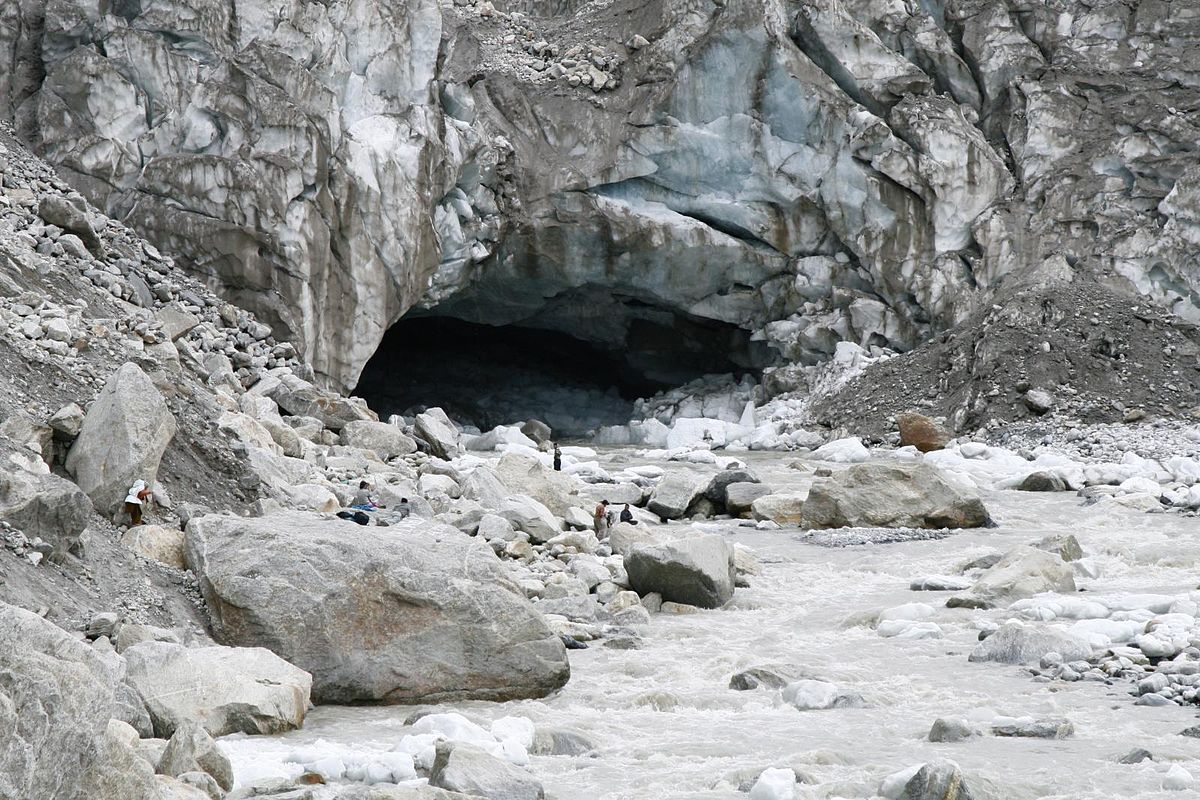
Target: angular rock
(176, 323)
(698, 570)
(467, 769)
(302, 399)
(537, 430)
(125, 433)
(528, 515)
(524, 474)
(164, 545)
(1020, 573)
(783, 509)
(892, 495)
(67, 422)
(56, 703)
(1018, 643)
(740, 497)
(224, 689)
(675, 493)
(191, 749)
(435, 429)
(1065, 545)
(1035, 729)
(71, 216)
(46, 506)
(415, 611)
(716, 489)
(919, 431)
(388, 441)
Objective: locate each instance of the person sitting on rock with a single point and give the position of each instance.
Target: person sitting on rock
(139, 494)
(627, 515)
(362, 498)
(600, 519)
(557, 458)
(403, 509)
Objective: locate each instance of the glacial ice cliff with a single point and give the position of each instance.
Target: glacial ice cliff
(809, 172)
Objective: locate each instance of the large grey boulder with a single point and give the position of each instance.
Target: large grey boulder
(524, 474)
(467, 769)
(191, 749)
(56, 702)
(125, 433)
(301, 399)
(44, 505)
(675, 492)
(786, 508)
(436, 430)
(697, 570)
(411, 612)
(1023, 572)
(1018, 643)
(891, 495)
(225, 689)
(388, 441)
(528, 515)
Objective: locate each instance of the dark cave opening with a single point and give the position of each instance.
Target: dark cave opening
(489, 375)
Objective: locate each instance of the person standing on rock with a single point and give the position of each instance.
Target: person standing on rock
(139, 494)
(600, 519)
(557, 458)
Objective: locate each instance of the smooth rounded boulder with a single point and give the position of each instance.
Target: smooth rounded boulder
(408, 613)
(697, 571)
(125, 433)
(891, 495)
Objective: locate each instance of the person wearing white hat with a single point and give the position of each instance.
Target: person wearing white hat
(138, 495)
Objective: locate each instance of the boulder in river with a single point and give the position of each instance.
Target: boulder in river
(411, 612)
(524, 474)
(471, 771)
(1018, 643)
(782, 509)
(1042, 481)
(1020, 573)
(224, 689)
(675, 493)
(697, 570)
(938, 780)
(892, 495)
(125, 433)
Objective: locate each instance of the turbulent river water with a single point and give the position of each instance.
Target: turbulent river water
(667, 725)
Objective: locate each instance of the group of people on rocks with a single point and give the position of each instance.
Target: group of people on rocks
(603, 518)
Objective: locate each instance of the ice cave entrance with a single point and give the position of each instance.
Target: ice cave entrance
(490, 375)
